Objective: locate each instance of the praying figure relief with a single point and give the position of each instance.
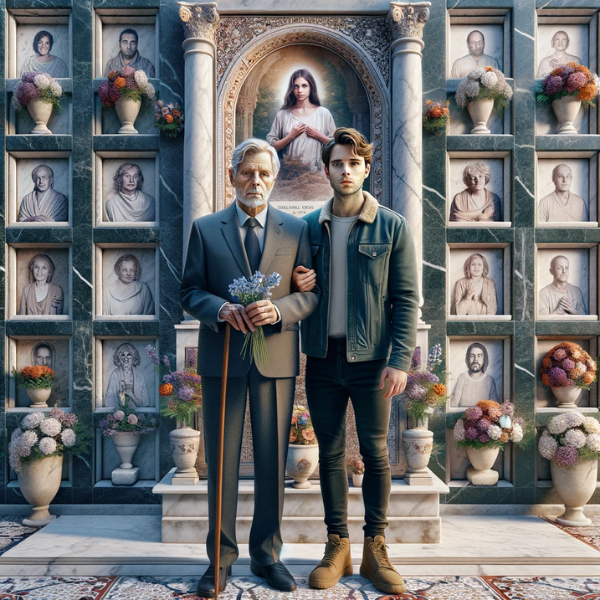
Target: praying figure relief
(129, 55)
(560, 297)
(476, 57)
(41, 297)
(42, 60)
(562, 204)
(130, 203)
(476, 384)
(44, 203)
(475, 293)
(560, 42)
(128, 295)
(126, 377)
(476, 203)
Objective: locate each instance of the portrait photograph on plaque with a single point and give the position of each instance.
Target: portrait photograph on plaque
(43, 47)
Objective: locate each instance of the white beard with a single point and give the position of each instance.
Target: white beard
(252, 203)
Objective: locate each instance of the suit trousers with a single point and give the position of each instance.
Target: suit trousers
(330, 381)
(271, 402)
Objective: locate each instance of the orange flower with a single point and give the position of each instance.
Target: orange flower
(308, 434)
(120, 82)
(545, 379)
(292, 436)
(547, 363)
(439, 389)
(168, 118)
(587, 93)
(294, 419)
(504, 437)
(165, 389)
(36, 372)
(428, 101)
(436, 113)
(589, 377)
(176, 113)
(488, 69)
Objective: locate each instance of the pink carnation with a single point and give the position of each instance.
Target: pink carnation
(560, 354)
(119, 415)
(566, 456)
(132, 419)
(127, 71)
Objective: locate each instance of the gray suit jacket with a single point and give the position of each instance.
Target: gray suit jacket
(215, 258)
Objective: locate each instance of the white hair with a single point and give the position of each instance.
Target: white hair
(253, 145)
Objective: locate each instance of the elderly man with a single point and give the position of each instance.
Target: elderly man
(562, 205)
(130, 203)
(476, 203)
(42, 355)
(560, 297)
(247, 236)
(475, 59)
(129, 55)
(560, 43)
(476, 384)
(44, 204)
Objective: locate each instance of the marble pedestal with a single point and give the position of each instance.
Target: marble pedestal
(413, 513)
(125, 476)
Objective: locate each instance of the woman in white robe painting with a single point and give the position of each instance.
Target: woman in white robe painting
(475, 293)
(42, 297)
(42, 60)
(126, 378)
(127, 295)
(302, 126)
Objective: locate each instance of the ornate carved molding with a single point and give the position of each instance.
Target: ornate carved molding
(200, 20)
(408, 19)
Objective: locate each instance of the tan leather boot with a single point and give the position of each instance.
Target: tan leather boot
(336, 562)
(376, 566)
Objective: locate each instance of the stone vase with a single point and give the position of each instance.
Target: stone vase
(39, 481)
(301, 463)
(38, 397)
(185, 443)
(480, 111)
(357, 479)
(40, 112)
(566, 110)
(483, 460)
(566, 396)
(575, 487)
(127, 111)
(126, 444)
(417, 445)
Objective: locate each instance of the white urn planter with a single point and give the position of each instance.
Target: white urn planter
(38, 397)
(575, 487)
(127, 111)
(566, 110)
(40, 112)
(483, 460)
(126, 444)
(39, 482)
(185, 443)
(480, 111)
(302, 460)
(566, 396)
(357, 480)
(417, 444)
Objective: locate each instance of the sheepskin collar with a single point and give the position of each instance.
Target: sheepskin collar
(367, 214)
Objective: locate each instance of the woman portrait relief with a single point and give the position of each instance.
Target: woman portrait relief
(476, 202)
(126, 377)
(41, 297)
(475, 293)
(43, 60)
(302, 126)
(128, 295)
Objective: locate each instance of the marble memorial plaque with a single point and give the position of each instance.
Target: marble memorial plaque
(43, 48)
(119, 44)
(473, 46)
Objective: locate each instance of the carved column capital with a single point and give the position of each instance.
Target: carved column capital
(408, 19)
(200, 20)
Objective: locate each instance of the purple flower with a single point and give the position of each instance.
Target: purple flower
(576, 81)
(151, 350)
(473, 413)
(553, 85)
(415, 391)
(557, 377)
(560, 354)
(483, 438)
(424, 376)
(166, 362)
(185, 393)
(169, 378)
(470, 424)
(127, 71)
(26, 92)
(415, 363)
(29, 76)
(508, 408)
(566, 456)
(483, 425)
(471, 433)
(567, 364)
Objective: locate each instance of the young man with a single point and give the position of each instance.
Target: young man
(361, 335)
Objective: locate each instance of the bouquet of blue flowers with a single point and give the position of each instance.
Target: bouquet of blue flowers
(246, 292)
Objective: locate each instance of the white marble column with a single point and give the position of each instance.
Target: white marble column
(408, 20)
(200, 22)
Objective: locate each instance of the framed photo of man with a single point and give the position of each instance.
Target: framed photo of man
(473, 46)
(566, 283)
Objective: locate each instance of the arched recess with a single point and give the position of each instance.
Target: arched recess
(260, 48)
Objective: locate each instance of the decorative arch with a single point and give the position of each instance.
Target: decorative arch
(274, 39)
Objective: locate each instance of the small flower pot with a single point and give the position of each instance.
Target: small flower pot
(39, 482)
(127, 111)
(357, 479)
(40, 112)
(575, 487)
(480, 111)
(185, 443)
(566, 396)
(302, 460)
(483, 460)
(38, 397)
(417, 445)
(126, 444)
(566, 110)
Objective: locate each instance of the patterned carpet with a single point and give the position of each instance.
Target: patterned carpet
(588, 535)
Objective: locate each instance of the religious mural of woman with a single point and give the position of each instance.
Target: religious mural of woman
(41, 297)
(302, 126)
(475, 293)
(126, 377)
(476, 203)
(128, 295)
(42, 60)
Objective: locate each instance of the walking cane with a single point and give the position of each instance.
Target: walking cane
(220, 460)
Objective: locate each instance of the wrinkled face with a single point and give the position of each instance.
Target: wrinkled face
(254, 179)
(562, 178)
(43, 45)
(476, 360)
(40, 269)
(560, 270)
(301, 88)
(476, 267)
(126, 358)
(43, 357)
(42, 180)
(476, 181)
(128, 45)
(559, 41)
(127, 272)
(346, 171)
(476, 44)
(130, 180)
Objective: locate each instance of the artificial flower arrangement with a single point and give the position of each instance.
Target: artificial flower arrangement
(488, 423)
(180, 391)
(425, 390)
(168, 118)
(40, 435)
(568, 365)
(484, 83)
(570, 437)
(34, 85)
(437, 115)
(125, 83)
(570, 80)
(245, 292)
(125, 420)
(356, 466)
(302, 431)
(38, 377)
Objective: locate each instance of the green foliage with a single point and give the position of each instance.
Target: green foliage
(479, 445)
(47, 96)
(178, 410)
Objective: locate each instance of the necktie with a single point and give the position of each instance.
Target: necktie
(252, 246)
